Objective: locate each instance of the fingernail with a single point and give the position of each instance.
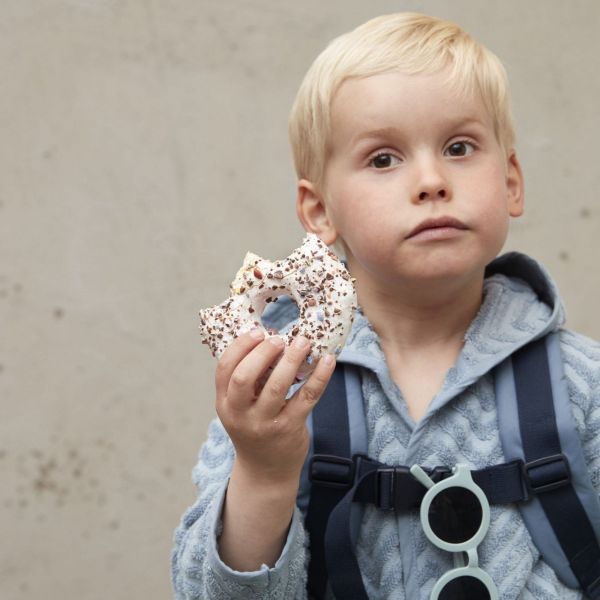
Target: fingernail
(277, 341)
(256, 333)
(301, 342)
(328, 359)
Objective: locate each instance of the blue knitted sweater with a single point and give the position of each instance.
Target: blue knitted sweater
(397, 561)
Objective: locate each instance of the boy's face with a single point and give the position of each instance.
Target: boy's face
(406, 148)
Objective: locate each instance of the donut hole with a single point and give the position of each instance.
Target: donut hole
(287, 311)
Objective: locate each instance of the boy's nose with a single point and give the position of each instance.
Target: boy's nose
(431, 182)
(425, 195)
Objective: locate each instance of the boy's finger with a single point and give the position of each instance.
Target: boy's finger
(272, 396)
(305, 399)
(241, 391)
(234, 354)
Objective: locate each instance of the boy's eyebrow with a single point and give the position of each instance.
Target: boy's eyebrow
(387, 131)
(374, 133)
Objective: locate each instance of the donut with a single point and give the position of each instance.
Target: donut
(312, 276)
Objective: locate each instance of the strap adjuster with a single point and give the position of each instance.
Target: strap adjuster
(547, 473)
(331, 471)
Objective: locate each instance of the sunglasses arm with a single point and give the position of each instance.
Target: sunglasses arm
(421, 476)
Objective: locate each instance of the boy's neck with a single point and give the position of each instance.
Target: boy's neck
(425, 319)
(421, 328)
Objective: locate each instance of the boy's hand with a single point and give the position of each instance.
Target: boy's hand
(269, 432)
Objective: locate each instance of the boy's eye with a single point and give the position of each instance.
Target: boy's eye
(383, 160)
(460, 149)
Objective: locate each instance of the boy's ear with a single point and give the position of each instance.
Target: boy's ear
(313, 212)
(516, 185)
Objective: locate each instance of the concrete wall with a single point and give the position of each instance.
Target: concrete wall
(143, 150)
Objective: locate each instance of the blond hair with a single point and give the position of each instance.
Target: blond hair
(410, 43)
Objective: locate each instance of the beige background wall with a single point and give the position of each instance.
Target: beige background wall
(143, 150)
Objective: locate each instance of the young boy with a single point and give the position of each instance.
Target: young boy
(404, 150)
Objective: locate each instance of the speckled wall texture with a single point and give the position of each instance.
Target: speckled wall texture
(143, 150)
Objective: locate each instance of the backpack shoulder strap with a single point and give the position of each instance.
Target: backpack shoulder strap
(338, 431)
(536, 426)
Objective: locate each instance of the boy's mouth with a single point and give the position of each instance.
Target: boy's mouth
(436, 223)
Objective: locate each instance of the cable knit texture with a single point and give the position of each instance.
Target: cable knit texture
(397, 561)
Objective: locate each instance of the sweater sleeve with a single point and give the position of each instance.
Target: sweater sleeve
(197, 572)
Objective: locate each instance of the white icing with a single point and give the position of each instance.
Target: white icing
(312, 276)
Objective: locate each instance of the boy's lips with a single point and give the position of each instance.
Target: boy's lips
(436, 223)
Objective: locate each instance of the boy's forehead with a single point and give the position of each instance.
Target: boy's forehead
(389, 102)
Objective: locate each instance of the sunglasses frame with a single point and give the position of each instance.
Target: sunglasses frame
(461, 477)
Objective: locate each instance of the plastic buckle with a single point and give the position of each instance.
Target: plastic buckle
(438, 473)
(387, 486)
(547, 481)
(397, 489)
(331, 471)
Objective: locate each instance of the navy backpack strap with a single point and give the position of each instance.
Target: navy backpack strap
(342, 564)
(331, 463)
(547, 468)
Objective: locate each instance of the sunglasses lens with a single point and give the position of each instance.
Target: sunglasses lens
(464, 588)
(455, 515)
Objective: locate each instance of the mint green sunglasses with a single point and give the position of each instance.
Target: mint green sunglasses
(455, 516)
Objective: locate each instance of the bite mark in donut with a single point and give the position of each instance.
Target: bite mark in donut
(315, 279)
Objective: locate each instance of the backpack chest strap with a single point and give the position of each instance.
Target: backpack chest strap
(361, 479)
(394, 488)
